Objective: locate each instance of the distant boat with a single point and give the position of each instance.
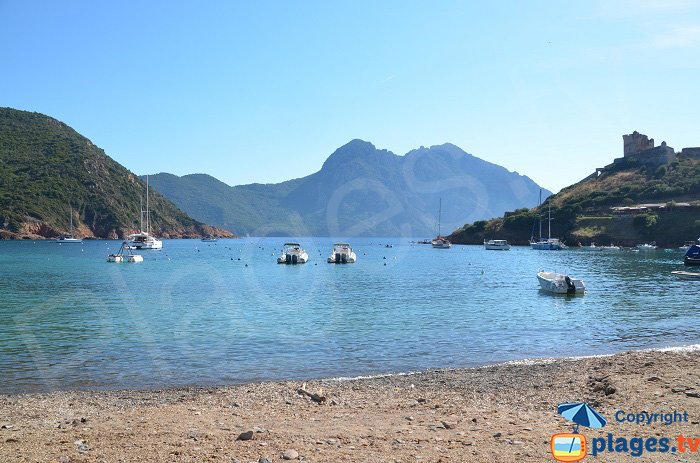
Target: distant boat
(647, 246)
(293, 253)
(686, 275)
(593, 247)
(692, 255)
(210, 239)
(440, 242)
(342, 254)
(548, 244)
(143, 239)
(496, 245)
(69, 238)
(558, 283)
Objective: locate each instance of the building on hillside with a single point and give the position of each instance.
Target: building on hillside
(691, 152)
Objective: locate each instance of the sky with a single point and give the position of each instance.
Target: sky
(265, 91)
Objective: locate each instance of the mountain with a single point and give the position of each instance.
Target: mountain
(359, 191)
(638, 198)
(47, 169)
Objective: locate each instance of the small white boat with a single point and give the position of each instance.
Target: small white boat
(119, 256)
(647, 246)
(592, 247)
(558, 283)
(496, 245)
(612, 247)
(293, 253)
(210, 239)
(342, 254)
(686, 275)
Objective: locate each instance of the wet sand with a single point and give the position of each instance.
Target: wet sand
(502, 413)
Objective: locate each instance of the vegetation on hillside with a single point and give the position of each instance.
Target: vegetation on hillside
(48, 169)
(582, 213)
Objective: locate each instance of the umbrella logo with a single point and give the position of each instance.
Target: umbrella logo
(570, 447)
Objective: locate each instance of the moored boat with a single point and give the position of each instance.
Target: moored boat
(342, 254)
(647, 246)
(692, 255)
(558, 283)
(686, 275)
(549, 243)
(440, 242)
(69, 237)
(292, 253)
(686, 245)
(119, 256)
(496, 245)
(143, 240)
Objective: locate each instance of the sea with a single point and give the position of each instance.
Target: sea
(218, 313)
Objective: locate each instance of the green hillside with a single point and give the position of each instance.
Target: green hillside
(47, 168)
(583, 212)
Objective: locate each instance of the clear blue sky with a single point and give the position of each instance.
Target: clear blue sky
(264, 91)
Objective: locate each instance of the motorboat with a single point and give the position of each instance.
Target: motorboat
(342, 254)
(292, 253)
(210, 239)
(69, 237)
(692, 255)
(686, 275)
(612, 247)
(440, 242)
(119, 256)
(558, 283)
(647, 246)
(143, 240)
(496, 245)
(592, 247)
(549, 243)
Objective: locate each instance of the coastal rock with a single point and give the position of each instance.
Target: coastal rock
(290, 454)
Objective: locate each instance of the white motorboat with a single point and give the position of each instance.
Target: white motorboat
(69, 238)
(612, 247)
(440, 242)
(119, 256)
(342, 254)
(592, 247)
(686, 275)
(293, 253)
(496, 245)
(558, 283)
(143, 240)
(549, 243)
(647, 246)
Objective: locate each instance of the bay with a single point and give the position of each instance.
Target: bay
(205, 314)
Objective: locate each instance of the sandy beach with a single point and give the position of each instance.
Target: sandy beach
(491, 414)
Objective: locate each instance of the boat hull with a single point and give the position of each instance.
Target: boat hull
(556, 283)
(692, 256)
(687, 275)
(293, 259)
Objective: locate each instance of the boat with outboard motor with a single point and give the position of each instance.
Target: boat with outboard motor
(558, 283)
(342, 254)
(292, 253)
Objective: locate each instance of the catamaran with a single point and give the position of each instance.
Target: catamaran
(144, 239)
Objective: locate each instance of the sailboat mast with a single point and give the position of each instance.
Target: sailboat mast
(549, 227)
(540, 214)
(71, 221)
(439, 216)
(141, 211)
(148, 212)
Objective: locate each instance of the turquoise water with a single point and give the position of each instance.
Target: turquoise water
(193, 314)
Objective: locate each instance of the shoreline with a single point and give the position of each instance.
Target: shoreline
(501, 412)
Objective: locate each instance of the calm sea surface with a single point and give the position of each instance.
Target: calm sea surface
(194, 314)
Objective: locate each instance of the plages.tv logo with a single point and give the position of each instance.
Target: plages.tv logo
(572, 446)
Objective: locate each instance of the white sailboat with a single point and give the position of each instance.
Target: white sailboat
(440, 242)
(69, 238)
(549, 244)
(144, 239)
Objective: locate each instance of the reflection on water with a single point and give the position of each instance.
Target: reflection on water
(194, 313)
